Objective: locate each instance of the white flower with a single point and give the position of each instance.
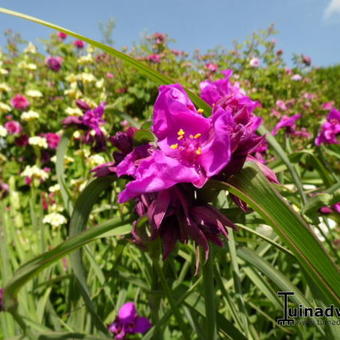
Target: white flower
(86, 59)
(5, 108)
(96, 160)
(296, 77)
(254, 62)
(54, 188)
(55, 219)
(3, 71)
(4, 87)
(33, 93)
(38, 141)
(3, 131)
(100, 84)
(29, 115)
(87, 77)
(74, 111)
(27, 66)
(30, 48)
(34, 172)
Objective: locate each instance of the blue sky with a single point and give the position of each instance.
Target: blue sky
(311, 27)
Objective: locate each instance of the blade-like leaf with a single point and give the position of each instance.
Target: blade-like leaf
(252, 187)
(33, 267)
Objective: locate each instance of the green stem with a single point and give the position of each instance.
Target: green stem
(172, 302)
(154, 299)
(209, 295)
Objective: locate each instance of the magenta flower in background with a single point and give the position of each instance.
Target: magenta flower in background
(90, 122)
(281, 105)
(62, 35)
(21, 140)
(54, 63)
(211, 67)
(129, 322)
(154, 58)
(53, 139)
(83, 105)
(335, 208)
(20, 102)
(254, 62)
(159, 38)
(79, 44)
(289, 123)
(330, 130)
(306, 60)
(13, 127)
(328, 106)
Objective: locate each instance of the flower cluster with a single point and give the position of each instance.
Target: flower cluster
(128, 322)
(90, 121)
(330, 130)
(190, 149)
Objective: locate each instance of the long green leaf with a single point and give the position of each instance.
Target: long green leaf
(61, 153)
(252, 187)
(33, 267)
(153, 75)
(79, 219)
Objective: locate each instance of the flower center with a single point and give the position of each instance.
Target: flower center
(188, 147)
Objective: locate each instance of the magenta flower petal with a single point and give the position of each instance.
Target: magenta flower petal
(127, 312)
(159, 172)
(142, 325)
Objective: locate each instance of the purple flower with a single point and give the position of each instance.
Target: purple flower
(53, 139)
(90, 122)
(211, 67)
(306, 60)
(330, 130)
(286, 122)
(13, 127)
(335, 208)
(83, 105)
(79, 44)
(54, 63)
(154, 58)
(62, 35)
(191, 148)
(20, 102)
(175, 215)
(128, 322)
(281, 105)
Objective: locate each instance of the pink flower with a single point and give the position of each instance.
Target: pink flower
(13, 127)
(128, 322)
(330, 130)
(281, 105)
(53, 139)
(306, 60)
(20, 102)
(109, 75)
(54, 63)
(211, 67)
(296, 77)
(62, 35)
(254, 62)
(328, 106)
(79, 44)
(154, 58)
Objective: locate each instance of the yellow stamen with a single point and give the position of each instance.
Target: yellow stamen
(174, 146)
(200, 110)
(191, 136)
(180, 137)
(198, 135)
(199, 151)
(181, 132)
